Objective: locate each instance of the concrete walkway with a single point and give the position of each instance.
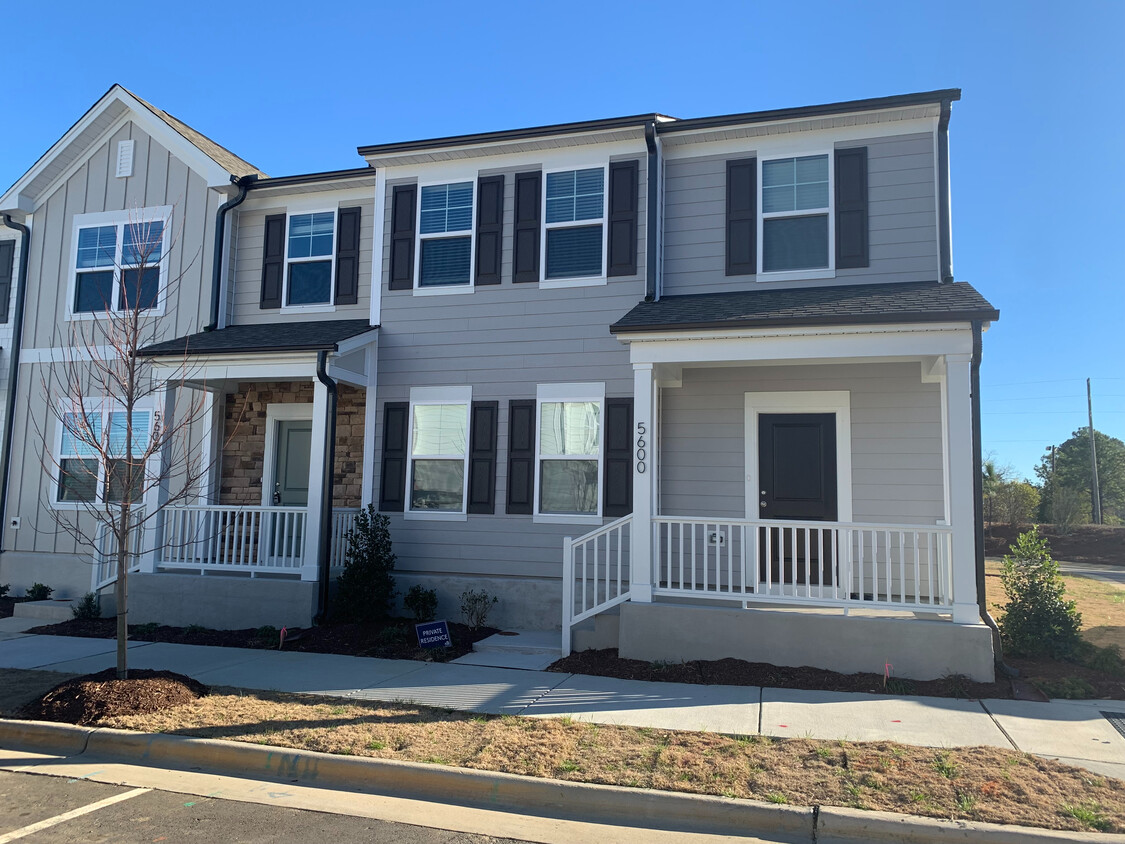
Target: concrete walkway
(1074, 732)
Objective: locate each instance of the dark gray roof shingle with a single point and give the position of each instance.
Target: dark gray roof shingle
(830, 305)
(270, 337)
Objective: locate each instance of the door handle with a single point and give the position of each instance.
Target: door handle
(277, 494)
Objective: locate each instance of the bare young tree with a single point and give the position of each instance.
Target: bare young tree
(119, 450)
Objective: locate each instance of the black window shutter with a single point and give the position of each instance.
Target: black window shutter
(742, 222)
(7, 253)
(482, 457)
(347, 256)
(521, 456)
(402, 237)
(623, 212)
(273, 261)
(525, 247)
(392, 481)
(851, 208)
(618, 491)
(490, 229)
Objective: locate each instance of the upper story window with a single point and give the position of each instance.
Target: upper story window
(309, 251)
(574, 236)
(118, 261)
(445, 228)
(795, 212)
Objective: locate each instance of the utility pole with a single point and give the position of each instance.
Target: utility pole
(1095, 490)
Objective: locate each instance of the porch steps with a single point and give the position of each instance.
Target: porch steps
(531, 650)
(47, 611)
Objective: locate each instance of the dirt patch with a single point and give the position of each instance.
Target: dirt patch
(979, 783)
(92, 697)
(737, 672)
(395, 640)
(1103, 544)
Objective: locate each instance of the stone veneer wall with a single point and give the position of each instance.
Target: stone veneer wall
(244, 435)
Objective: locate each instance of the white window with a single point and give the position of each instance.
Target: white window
(439, 451)
(82, 476)
(796, 218)
(569, 451)
(574, 224)
(445, 235)
(118, 260)
(309, 259)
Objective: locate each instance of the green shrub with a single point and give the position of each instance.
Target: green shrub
(366, 586)
(39, 592)
(88, 608)
(422, 603)
(1106, 659)
(268, 634)
(1069, 688)
(143, 630)
(1038, 619)
(4, 587)
(475, 607)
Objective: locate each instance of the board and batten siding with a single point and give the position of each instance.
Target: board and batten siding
(247, 266)
(897, 474)
(902, 219)
(503, 340)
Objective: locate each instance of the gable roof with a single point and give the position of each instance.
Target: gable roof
(215, 163)
(856, 304)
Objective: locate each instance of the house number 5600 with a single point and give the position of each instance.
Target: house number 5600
(642, 455)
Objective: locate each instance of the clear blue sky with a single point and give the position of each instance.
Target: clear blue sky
(1037, 142)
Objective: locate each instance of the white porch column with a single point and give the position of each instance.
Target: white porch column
(316, 475)
(152, 537)
(962, 506)
(370, 413)
(640, 578)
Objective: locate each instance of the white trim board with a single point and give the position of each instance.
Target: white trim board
(837, 402)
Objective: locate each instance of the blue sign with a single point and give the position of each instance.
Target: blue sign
(434, 634)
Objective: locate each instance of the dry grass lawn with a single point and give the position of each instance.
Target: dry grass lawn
(981, 783)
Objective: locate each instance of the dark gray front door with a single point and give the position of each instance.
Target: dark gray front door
(291, 471)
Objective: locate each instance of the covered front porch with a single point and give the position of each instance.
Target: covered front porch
(810, 487)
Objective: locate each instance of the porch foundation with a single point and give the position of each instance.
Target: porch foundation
(219, 601)
(916, 648)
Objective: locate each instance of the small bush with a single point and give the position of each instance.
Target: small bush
(1067, 688)
(422, 603)
(475, 607)
(39, 592)
(1038, 619)
(267, 633)
(4, 587)
(1106, 659)
(366, 586)
(143, 630)
(88, 608)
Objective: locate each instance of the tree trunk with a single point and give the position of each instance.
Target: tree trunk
(121, 592)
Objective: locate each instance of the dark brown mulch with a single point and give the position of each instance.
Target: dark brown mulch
(1103, 544)
(1066, 679)
(395, 640)
(88, 699)
(737, 672)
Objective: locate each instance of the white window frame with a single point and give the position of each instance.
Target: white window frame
(797, 275)
(578, 281)
(322, 307)
(579, 392)
(104, 407)
(120, 219)
(420, 396)
(471, 233)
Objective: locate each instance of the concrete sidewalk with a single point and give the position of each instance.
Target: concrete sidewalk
(1074, 732)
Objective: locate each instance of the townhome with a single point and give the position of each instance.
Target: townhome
(690, 388)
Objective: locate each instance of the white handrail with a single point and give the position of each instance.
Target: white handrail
(596, 573)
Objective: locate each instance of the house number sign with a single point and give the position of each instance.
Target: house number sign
(642, 455)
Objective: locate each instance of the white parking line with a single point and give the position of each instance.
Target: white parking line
(73, 813)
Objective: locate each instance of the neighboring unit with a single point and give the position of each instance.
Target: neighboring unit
(689, 388)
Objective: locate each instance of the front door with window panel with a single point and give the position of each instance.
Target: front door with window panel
(797, 481)
(291, 485)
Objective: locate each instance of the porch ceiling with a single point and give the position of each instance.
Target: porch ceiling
(269, 337)
(860, 304)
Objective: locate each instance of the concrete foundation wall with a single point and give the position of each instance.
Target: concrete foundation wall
(68, 574)
(917, 648)
(223, 603)
(524, 603)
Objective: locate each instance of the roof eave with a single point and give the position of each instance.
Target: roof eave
(791, 322)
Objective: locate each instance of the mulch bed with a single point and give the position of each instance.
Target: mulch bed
(93, 697)
(737, 672)
(1066, 679)
(395, 640)
(1102, 544)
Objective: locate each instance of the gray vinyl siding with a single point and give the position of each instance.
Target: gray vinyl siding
(902, 219)
(896, 446)
(247, 265)
(7, 329)
(503, 340)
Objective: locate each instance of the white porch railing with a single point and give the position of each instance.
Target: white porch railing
(343, 520)
(105, 551)
(596, 573)
(234, 538)
(823, 563)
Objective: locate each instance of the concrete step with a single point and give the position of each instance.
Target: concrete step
(545, 642)
(508, 659)
(47, 611)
